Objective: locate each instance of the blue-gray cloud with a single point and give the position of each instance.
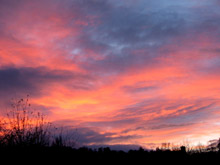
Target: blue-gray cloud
(84, 136)
(33, 80)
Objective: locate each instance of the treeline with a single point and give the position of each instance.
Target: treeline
(26, 137)
(64, 155)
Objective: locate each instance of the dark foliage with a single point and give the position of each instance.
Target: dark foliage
(23, 127)
(102, 156)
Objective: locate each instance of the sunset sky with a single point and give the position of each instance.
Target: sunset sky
(138, 72)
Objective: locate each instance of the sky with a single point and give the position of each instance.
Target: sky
(116, 72)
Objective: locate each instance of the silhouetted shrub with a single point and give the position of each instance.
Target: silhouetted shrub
(24, 127)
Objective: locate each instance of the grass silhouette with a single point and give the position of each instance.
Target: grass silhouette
(24, 127)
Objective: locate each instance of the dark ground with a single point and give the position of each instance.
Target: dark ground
(66, 155)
